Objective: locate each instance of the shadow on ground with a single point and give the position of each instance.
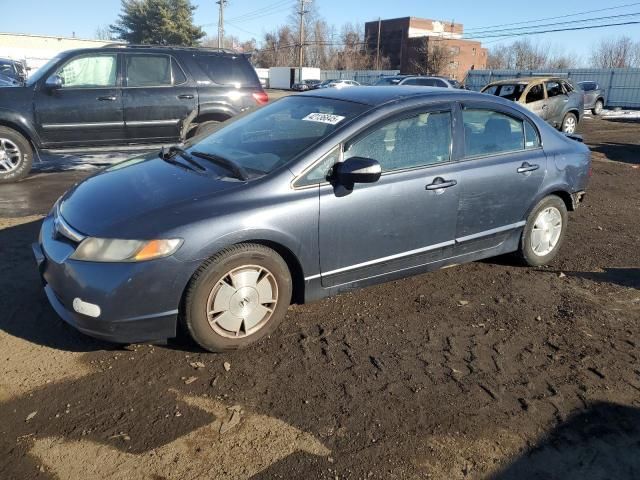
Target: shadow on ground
(24, 310)
(601, 442)
(625, 277)
(618, 152)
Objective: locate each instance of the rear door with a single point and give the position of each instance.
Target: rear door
(535, 99)
(157, 97)
(502, 170)
(88, 109)
(556, 101)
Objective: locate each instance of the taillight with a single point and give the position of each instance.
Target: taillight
(261, 97)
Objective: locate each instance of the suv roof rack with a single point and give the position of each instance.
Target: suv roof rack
(173, 47)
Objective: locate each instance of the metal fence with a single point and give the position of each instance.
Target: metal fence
(365, 77)
(621, 85)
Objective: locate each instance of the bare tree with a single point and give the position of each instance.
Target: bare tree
(432, 56)
(618, 52)
(526, 55)
(103, 33)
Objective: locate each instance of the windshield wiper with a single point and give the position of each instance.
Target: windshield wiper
(168, 155)
(237, 170)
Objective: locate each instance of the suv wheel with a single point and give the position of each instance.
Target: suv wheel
(570, 123)
(16, 156)
(598, 107)
(544, 232)
(237, 297)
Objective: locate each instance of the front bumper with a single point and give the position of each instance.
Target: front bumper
(138, 302)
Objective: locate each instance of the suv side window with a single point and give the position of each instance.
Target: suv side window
(90, 71)
(553, 89)
(228, 69)
(148, 70)
(536, 93)
(416, 141)
(487, 132)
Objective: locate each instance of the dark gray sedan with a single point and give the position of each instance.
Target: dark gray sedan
(310, 196)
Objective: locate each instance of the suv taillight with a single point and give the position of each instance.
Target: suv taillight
(261, 97)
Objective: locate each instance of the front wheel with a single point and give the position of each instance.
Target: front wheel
(544, 232)
(237, 297)
(570, 123)
(16, 156)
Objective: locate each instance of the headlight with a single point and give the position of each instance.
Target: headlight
(114, 250)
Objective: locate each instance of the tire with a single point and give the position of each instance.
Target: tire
(228, 285)
(16, 156)
(569, 123)
(205, 128)
(598, 107)
(533, 250)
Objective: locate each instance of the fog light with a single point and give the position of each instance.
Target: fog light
(86, 308)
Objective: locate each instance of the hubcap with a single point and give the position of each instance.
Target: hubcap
(546, 231)
(570, 125)
(242, 302)
(10, 156)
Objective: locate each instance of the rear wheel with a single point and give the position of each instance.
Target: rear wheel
(237, 297)
(205, 128)
(16, 156)
(570, 123)
(598, 107)
(544, 232)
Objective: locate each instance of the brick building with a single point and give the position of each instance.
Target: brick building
(405, 40)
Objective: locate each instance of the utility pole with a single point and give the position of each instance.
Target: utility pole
(378, 46)
(222, 3)
(301, 12)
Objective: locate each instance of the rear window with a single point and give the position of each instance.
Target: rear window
(228, 70)
(384, 81)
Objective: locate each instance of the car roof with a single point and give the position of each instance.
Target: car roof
(379, 95)
(113, 48)
(525, 80)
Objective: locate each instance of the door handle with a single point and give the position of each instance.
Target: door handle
(439, 183)
(526, 168)
(108, 98)
(185, 97)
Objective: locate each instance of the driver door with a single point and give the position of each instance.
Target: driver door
(87, 109)
(401, 221)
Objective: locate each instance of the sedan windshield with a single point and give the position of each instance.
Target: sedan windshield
(272, 136)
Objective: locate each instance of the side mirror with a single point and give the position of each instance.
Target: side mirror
(54, 82)
(357, 170)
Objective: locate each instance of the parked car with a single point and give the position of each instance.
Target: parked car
(6, 81)
(342, 84)
(555, 100)
(593, 96)
(14, 69)
(300, 200)
(416, 80)
(120, 95)
(305, 85)
(325, 83)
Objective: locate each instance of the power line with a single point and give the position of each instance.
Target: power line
(568, 29)
(554, 17)
(515, 30)
(263, 12)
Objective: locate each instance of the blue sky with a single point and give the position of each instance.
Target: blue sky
(62, 17)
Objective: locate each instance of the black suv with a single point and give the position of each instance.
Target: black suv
(121, 95)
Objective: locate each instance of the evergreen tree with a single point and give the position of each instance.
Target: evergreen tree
(157, 22)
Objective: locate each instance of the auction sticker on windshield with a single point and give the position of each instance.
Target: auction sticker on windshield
(324, 118)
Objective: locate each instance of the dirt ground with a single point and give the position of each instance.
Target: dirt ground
(487, 370)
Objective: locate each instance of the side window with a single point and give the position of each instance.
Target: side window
(411, 81)
(90, 72)
(553, 89)
(148, 70)
(178, 75)
(487, 132)
(536, 93)
(318, 174)
(441, 83)
(531, 137)
(416, 141)
(228, 69)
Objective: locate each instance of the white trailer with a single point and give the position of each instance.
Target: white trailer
(285, 77)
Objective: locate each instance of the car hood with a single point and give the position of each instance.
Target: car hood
(141, 198)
